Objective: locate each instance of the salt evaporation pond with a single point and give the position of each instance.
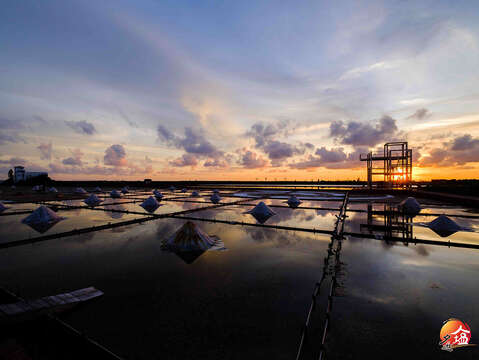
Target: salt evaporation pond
(250, 300)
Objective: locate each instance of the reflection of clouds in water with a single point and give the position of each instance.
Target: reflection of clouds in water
(278, 238)
(114, 214)
(421, 250)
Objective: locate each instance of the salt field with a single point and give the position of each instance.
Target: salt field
(394, 277)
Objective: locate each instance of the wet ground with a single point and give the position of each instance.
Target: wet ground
(251, 300)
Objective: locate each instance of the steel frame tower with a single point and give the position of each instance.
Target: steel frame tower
(397, 165)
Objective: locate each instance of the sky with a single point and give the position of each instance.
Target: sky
(237, 90)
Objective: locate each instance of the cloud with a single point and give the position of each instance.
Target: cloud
(331, 156)
(420, 114)
(82, 127)
(45, 151)
(252, 160)
(185, 160)
(465, 142)
(311, 162)
(335, 158)
(14, 161)
(262, 133)
(265, 137)
(193, 141)
(115, 155)
(364, 134)
(74, 160)
(10, 124)
(12, 137)
(459, 151)
(218, 162)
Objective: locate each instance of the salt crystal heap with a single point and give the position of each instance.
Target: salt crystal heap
(215, 198)
(293, 201)
(410, 206)
(98, 189)
(125, 190)
(80, 190)
(42, 219)
(195, 194)
(191, 237)
(190, 241)
(184, 190)
(150, 204)
(158, 194)
(172, 188)
(261, 212)
(92, 200)
(115, 194)
(443, 226)
(53, 190)
(2, 207)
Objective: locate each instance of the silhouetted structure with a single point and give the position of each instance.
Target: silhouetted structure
(397, 165)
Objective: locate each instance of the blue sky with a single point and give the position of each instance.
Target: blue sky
(240, 90)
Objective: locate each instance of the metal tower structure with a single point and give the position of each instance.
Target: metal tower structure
(396, 165)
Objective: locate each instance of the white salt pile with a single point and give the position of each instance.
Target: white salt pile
(410, 206)
(191, 237)
(195, 194)
(184, 190)
(42, 219)
(125, 190)
(172, 188)
(92, 200)
(98, 189)
(293, 201)
(52, 190)
(80, 190)
(215, 198)
(150, 204)
(443, 226)
(261, 212)
(158, 194)
(115, 194)
(2, 207)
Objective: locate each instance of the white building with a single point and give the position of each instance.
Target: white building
(22, 175)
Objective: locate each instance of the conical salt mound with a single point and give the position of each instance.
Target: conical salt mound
(98, 189)
(293, 201)
(184, 190)
(80, 190)
(158, 194)
(2, 207)
(410, 206)
(125, 190)
(150, 204)
(195, 193)
(115, 194)
(215, 198)
(52, 190)
(92, 200)
(190, 238)
(443, 226)
(261, 212)
(42, 219)
(216, 191)
(172, 188)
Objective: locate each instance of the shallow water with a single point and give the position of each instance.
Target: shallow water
(251, 300)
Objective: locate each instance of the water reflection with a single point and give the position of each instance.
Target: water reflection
(389, 222)
(114, 214)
